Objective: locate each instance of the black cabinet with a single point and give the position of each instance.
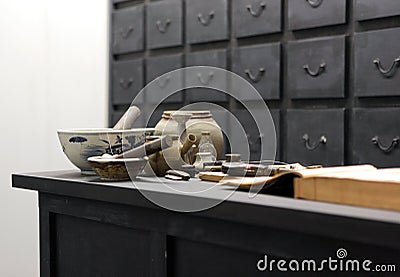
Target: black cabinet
(259, 65)
(256, 17)
(315, 13)
(165, 84)
(206, 20)
(164, 24)
(371, 9)
(377, 63)
(316, 68)
(302, 58)
(376, 136)
(127, 81)
(315, 136)
(127, 30)
(207, 77)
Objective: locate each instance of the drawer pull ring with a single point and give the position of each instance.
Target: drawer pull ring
(205, 81)
(125, 85)
(258, 12)
(163, 83)
(386, 149)
(314, 3)
(387, 72)
(162, 28)
(204, 21)
(256, 78)
(322, 140)
(125, 33)
(316, 73)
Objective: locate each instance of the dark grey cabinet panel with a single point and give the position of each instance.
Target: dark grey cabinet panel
(370, 9)
(256, 17)
(245, 137)
(259, 65)
(164, 24)
(214, 58)
(206, 20)
(127, 30)
(165, 85)
(315, 136)
(127, 81)
(376, 136)
(305, 14)
(316, 68)
(377, 63)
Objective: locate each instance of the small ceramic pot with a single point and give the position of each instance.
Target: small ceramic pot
(198, 122)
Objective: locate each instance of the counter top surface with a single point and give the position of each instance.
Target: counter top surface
(72, 183)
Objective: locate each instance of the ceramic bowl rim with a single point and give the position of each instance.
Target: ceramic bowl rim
(101, 131)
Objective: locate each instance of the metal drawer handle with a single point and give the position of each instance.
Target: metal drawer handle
(258, 12)
(205, 81)
(387, 72)
(322, 140)
(256, 78)
(125, 85)
(204, 21)
(314, 3)
(386, 149)
(316, 73)
(125, 33)
(163, 27)
(163, 83)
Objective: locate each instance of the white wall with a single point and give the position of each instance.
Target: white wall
(53, 74)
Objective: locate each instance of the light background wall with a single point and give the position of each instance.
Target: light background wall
(53, 74)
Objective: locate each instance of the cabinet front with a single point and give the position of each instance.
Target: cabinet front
(377, 63)
(206, 20)
(256, 17)
(165, 85)
(164, 24)
(127, 30)
(260, 66)
(316, 68)
(315, 137)
(305, 14)
(127, 81)
(376, 136)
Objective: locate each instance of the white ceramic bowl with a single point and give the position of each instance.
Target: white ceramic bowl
(80, 144)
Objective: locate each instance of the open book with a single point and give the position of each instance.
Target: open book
(361, 185)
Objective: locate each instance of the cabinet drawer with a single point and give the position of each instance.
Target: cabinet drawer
(305, 14)
(127, 81)
(127, 30)
(315, 137)
(157, 66)
(370, 9)
(376, 136)
(256, 17)
(215, 58)
(206, 20)
(259, 65)
(164, 24)
(316, 68)
(250, 140)
(377, 63)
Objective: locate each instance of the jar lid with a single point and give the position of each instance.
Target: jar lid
(195, 114)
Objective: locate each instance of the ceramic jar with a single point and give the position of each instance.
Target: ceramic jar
(199, 121)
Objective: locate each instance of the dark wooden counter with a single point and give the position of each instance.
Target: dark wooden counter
(93, 228)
